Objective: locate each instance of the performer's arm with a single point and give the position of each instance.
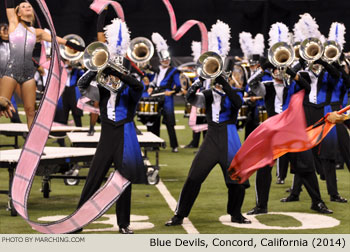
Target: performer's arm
(100, 24)
(303, 83)
(43, 35)
(193, 97)
(344, 75)
(255, 84)
(10, 12)
(330, 69)
(230, 92)
(6, 107)
(127, 79)
(85, 80)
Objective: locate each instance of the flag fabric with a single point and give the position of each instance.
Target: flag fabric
(282, 133)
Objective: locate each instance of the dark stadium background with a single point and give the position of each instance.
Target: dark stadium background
(146, 16)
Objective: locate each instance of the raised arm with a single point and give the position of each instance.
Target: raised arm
(11, 15)
(43, 35)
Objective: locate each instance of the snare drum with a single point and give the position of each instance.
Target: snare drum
(262, 114)
(148, 106)
(243, 112)
(148, 110)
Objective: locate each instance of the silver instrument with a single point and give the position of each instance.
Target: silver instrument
(332, 51)
(140, 51)
(209, 65)
(281, 55)
(74, 57)
(97, 58)
(311, 49)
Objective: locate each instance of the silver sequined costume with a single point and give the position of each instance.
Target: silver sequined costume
(20, 66)
(5, 56)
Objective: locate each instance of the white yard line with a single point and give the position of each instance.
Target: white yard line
(187, 224)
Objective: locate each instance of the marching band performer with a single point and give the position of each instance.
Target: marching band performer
(327, 89)
(118, 142)
(20, 68)
(221, 142)
(277, 94)
(166, 80)
(5, 52)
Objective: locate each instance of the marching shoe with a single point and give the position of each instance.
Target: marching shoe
(175, 221)
(280, 181)
(190, 146)
(125, 230)
(240, 219)
(175, 150)
(338, 198)
(290, 198)
(321, 208)
(257, 210)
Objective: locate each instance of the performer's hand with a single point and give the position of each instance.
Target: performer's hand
(334, 117)
(6, 107)
(150, 90)
(74, 46)
(168, 93)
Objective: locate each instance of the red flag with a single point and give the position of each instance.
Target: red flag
(282, 133)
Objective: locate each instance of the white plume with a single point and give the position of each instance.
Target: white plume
(159, 41)
(259, 45)
(196, 50)
(306, 27)
(219, 38)
(278, 33)
(246, 43)
(118, 37)
(337, 33)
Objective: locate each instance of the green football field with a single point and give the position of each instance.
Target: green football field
(152, 205)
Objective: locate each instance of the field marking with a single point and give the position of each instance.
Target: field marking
(308, 221)
(187, 224)
(137, 222)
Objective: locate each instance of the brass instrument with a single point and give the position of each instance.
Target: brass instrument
(73, 56)
(281, 55)
(97, 58)
(311, 49)
(210, 65)
(332, 51)
(140, 51)
(296, 47)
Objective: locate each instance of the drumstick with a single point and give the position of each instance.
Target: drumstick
(162, 93)
(256, 98)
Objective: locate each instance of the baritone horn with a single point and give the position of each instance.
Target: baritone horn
(70, 54)
(140, 51)
(332, 51)
(97, 58)
(209, 65)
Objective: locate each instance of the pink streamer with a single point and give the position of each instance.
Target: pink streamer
(178, 33)
(99, 5)
(32, 150)
(83, 105)
(193, 120)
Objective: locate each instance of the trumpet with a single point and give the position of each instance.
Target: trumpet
(96, 57)
(209, 65)
(74, 57)
(332, 51)
(140, 51)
